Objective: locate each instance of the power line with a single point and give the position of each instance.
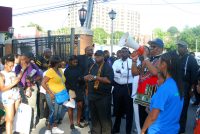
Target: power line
(57, 7)
(47, 9)
(154, 4)
(181, 9)
(39, 5)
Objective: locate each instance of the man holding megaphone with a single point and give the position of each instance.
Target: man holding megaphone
(147, 75)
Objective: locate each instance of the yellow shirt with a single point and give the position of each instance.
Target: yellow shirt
(56, 83)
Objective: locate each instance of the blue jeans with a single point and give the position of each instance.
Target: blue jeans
(54, 110)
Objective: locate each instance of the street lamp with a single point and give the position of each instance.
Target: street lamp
(112, 15)
(82, 15)
(10, 31)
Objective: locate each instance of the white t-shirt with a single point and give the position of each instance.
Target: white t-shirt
(11, 95)
(42, 90)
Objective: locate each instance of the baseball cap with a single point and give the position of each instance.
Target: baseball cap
(158, 42)
(182, 43)
(99, 53)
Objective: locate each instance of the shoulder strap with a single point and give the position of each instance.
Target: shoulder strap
(91, 68)
(186, 65)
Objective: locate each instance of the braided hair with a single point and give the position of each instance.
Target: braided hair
(173, 68)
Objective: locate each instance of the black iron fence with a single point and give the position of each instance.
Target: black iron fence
(59, 44)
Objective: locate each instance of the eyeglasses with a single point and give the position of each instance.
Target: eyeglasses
(152, 47)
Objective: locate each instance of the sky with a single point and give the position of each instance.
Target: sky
(154, 13)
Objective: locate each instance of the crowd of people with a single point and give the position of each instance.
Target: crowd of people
(154, 89)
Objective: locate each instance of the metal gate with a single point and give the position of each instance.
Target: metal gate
(59, 44)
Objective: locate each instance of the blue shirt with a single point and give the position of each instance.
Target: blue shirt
(168, 101)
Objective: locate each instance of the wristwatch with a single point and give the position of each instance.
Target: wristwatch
(95, 77)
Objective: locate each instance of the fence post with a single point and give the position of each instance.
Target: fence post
(72, 41)
(49, 38)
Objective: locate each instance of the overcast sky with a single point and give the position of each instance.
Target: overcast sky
(154, 13)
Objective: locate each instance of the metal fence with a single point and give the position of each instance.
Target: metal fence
(59, 44)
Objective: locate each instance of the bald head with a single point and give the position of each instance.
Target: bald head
(89, 50)
(47, 53)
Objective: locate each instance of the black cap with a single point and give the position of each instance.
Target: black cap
(99, 53)
(182, 43)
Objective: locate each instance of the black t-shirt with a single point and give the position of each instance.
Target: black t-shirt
(103, 89)
(74, 78)
(85, 62)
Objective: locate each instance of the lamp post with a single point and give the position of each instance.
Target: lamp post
(82, 15)
(112, 15)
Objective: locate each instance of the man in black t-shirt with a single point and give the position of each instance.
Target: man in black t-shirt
(100, 78)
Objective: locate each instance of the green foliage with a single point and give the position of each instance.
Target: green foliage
(117, 36)
(159, 33)
(100, 36)
(190, 35)
(173, 31)
(168, 39)
(172, 35)
(63, 30)
(39, 28)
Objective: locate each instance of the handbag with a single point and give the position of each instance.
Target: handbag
(61, 97)
(72, 94)
(22, 119)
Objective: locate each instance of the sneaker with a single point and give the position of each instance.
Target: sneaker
(72, 127)
(56, 130)
(47, 132)
(79, 126)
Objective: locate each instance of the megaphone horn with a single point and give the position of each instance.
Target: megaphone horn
(127, 41)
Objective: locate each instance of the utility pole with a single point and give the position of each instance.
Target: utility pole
(90, 6)
(196, 45)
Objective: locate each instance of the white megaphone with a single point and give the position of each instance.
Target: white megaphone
(127, 41)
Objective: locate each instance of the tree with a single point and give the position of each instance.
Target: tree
(38, 27)
(100, 36)
(190, 35)
(63, 30)
(117, 36)
(159, 33)
(166, 37)
(173, 31)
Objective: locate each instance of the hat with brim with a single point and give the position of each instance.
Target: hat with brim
(158, 42)
(99, 53)
(182, 43)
